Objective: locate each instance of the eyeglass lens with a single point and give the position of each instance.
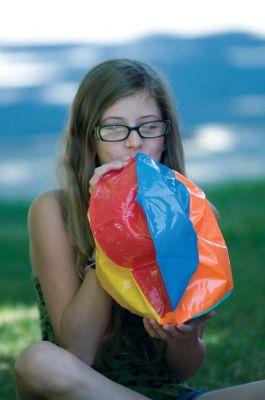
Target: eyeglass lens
(148, 130)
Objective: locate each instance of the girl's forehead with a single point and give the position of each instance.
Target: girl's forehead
(138, 102)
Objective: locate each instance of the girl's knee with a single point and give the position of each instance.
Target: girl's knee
(34, 368)
(32, 364)
(40, 369)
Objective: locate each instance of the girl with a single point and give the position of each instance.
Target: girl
(92, 348)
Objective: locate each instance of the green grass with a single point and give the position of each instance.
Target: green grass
(235, 337)
(18, 313)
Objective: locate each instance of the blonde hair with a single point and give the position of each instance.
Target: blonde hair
(99, 89)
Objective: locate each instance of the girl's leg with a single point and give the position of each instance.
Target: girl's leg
(45, 371)
(248, 391)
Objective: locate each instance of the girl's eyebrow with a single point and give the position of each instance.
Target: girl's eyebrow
(150, 116)
(122, 118)
(112, 117)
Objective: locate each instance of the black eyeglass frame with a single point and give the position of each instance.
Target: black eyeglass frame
(135, 128)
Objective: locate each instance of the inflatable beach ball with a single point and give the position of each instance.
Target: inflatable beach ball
(159, 250)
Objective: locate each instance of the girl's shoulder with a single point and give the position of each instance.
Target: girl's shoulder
(50, 202)
(52, 196)
(46, 213)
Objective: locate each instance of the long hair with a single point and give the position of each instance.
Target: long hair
(101, 87)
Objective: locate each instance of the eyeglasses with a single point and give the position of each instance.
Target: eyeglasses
(117, 133)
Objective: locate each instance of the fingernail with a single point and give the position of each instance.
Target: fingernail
(167, 328)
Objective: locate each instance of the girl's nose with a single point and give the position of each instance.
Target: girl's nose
(134, 140)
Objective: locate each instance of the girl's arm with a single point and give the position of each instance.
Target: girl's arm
(185, 347)
(79, 311)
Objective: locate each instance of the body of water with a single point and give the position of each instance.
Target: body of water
(214, 154)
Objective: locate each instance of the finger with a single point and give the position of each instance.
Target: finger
(158, 329)
(149, 329)
(183, 329)
(171, 330)
(208, 315)
(104, 169)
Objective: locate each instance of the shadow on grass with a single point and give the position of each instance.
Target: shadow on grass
(7, 389)
(15, 285)
(19, 327)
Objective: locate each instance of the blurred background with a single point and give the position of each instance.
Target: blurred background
(213, 56)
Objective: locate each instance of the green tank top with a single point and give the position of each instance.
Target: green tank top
(131, 359)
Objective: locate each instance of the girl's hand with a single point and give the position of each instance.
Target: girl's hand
(105, 168)
(178, 332)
